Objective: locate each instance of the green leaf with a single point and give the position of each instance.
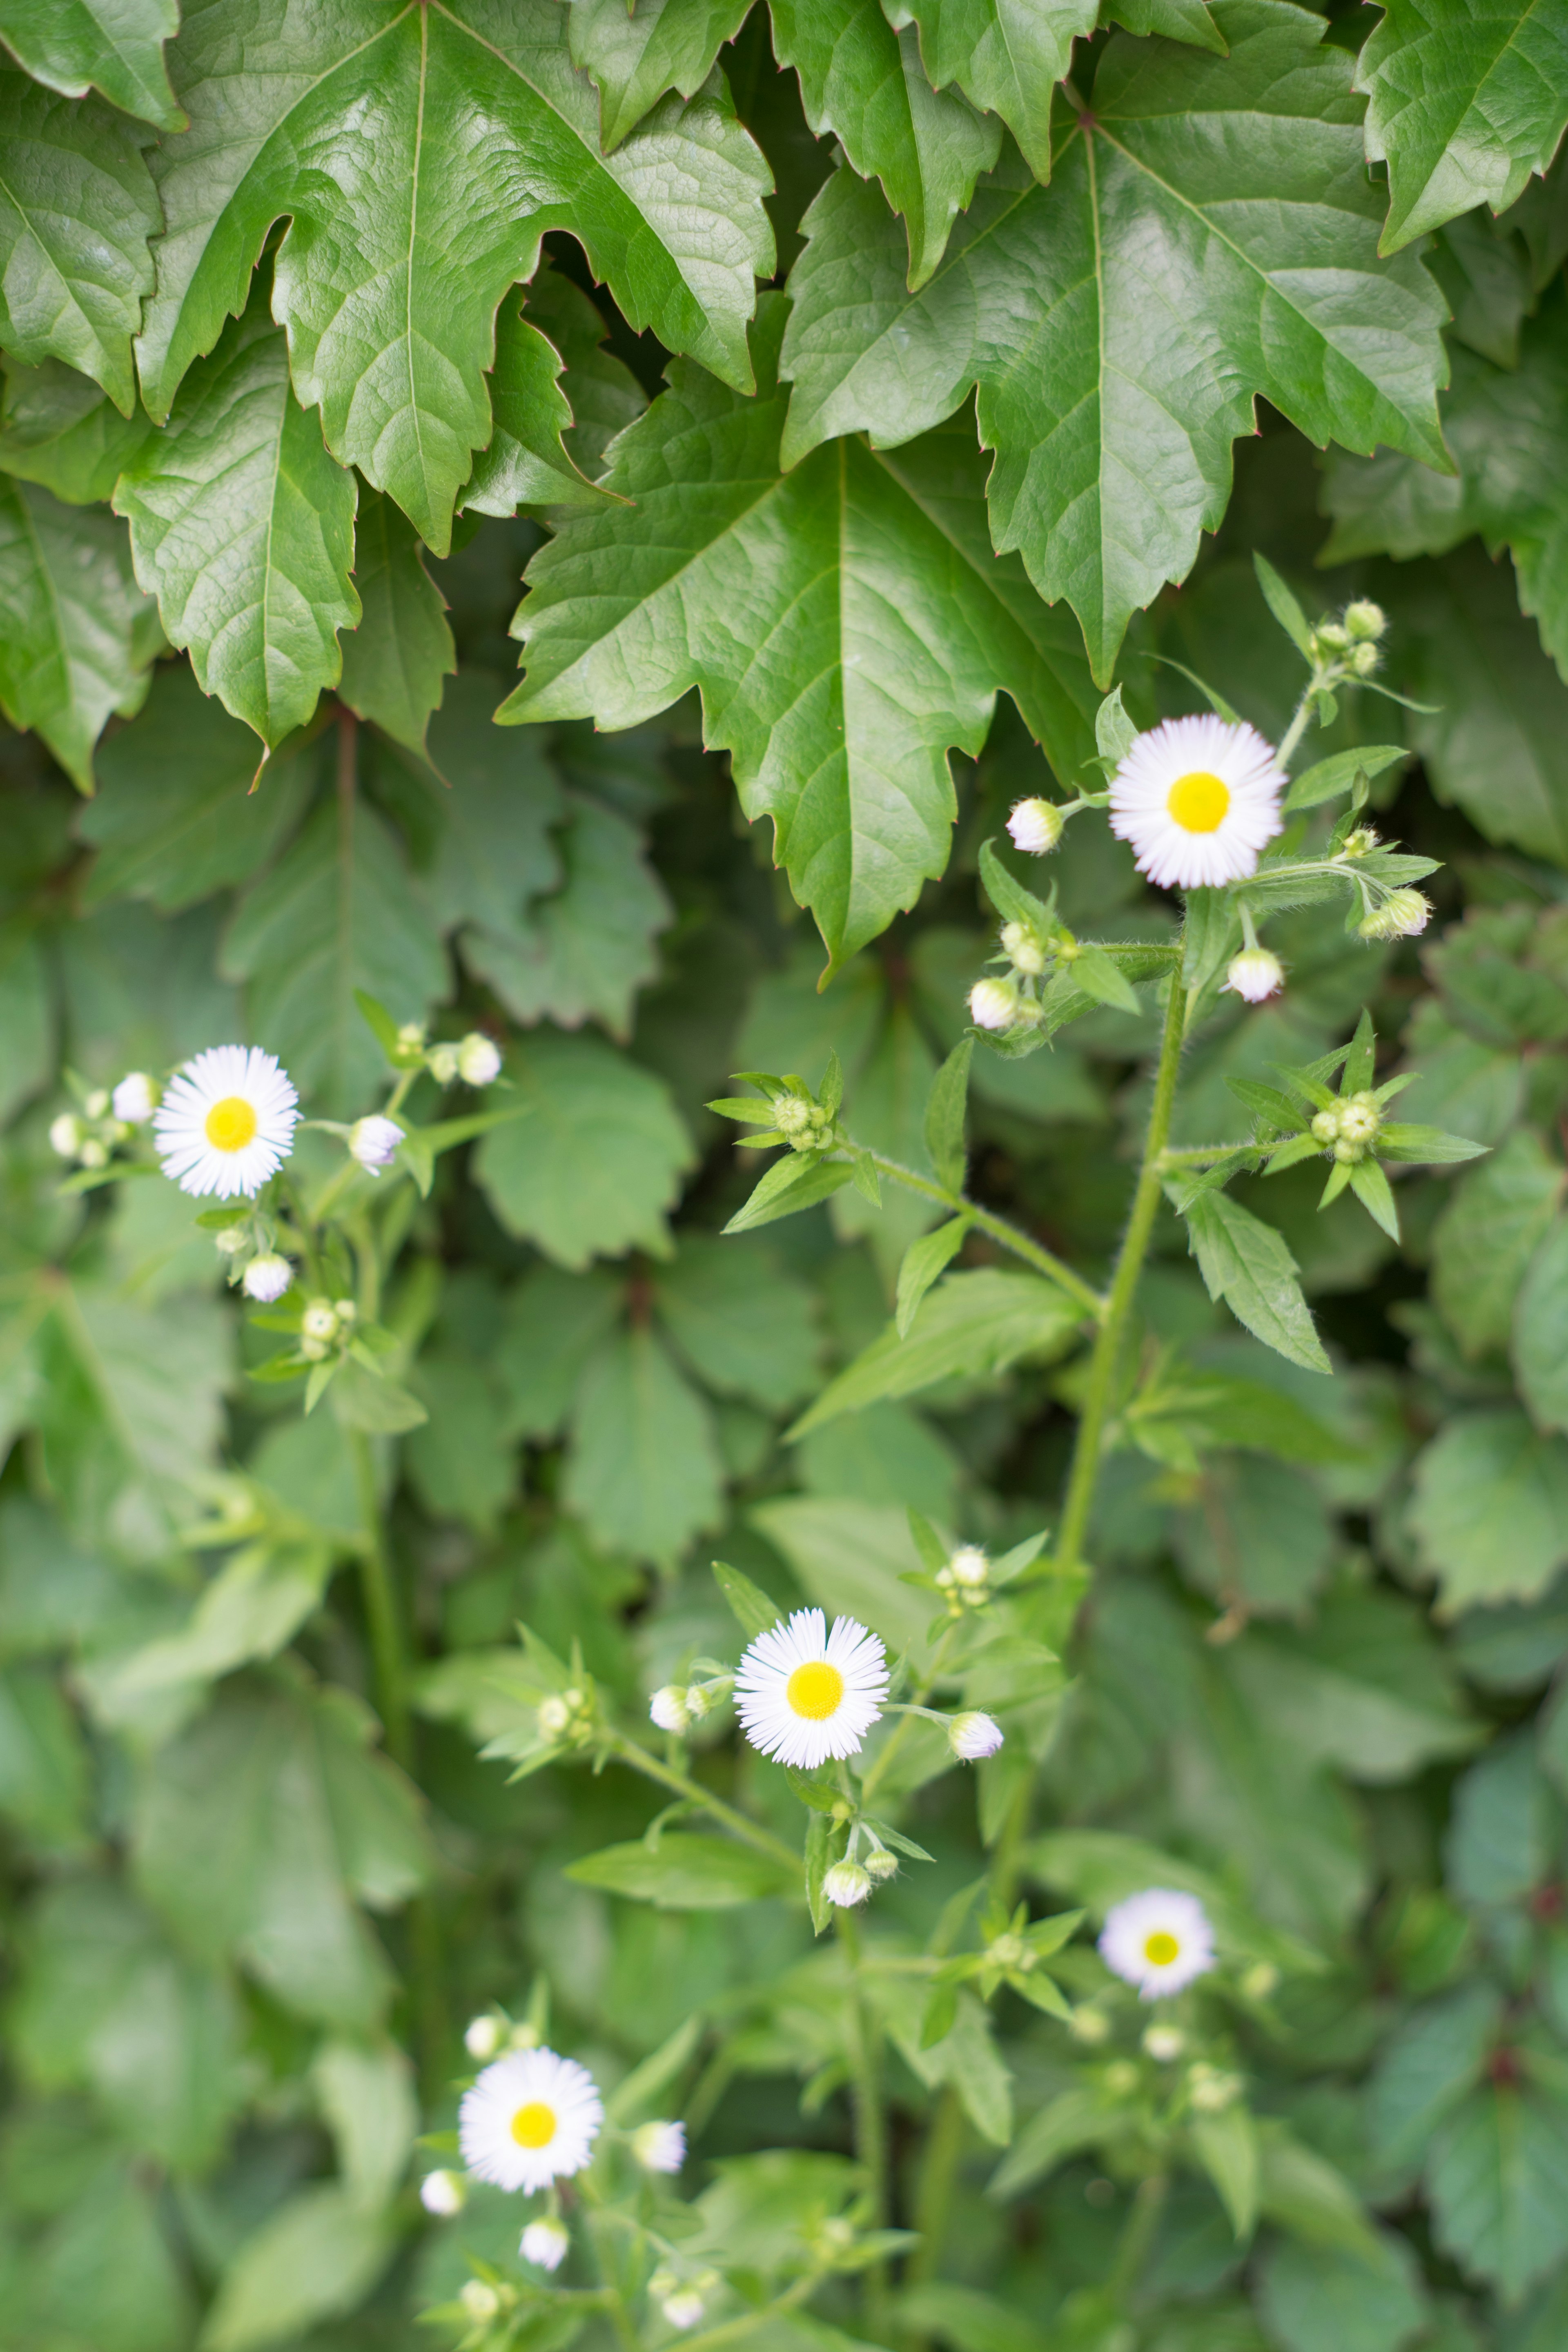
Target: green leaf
(923, 1262)
(643, 1471)
(1326, 779)
(945, 1106)
(1490, 1509)
(1073, 2119)
(394, 661)
(685, 1872)
(863, 82)
(243, 528)
(799, 1181)
(1486, 1237)
(1317, 2298)
(740, 1320)
(1249, 1266)
(634, 57)
(1281, 602)
(1307, 2195)
(1466, 99)
(255, 1604)
(112, 45)
(75, 633)
(315, 2257)
(44, 1774)
(1373, 1190)
(1540, 1319)
(555, 1322)
(339, 913)
(750, 1607)
(1237, 184)
(1100, 977)
(76, 211)
(61, 431)
(1227, 2148)
(851, 1559)
(1496, 2178)
(389, 290)
(889, 622)
(1173, 20)
(526, 463)
(971, 1326)
(604, 395)
(490, 802)
(595, 1157)
(367, 2091)
(1431, 2060)
(1006, 56)
(461, 1458)
(105, 2273)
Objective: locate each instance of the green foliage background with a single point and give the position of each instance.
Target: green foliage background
(280, 437)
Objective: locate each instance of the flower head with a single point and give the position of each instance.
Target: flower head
(1024, 947)
(1159, 1940)
(530, 2119)
(684, 2309)
(805, 1693)
(478, 1059)
(1197, 798)
(994, 1005)
(226, 1122)
(847, 1884)
(481, 2037)
(972, 1734)
(266, 1277)
(1164, 2043)
(659, 2147)
(442, 2193)
(135, 1099)
(1254, 974)
(668, 1708)
(372, 1142)
(545, 2242)
(1036, 825)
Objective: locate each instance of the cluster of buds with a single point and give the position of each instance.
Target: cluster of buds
(1402, 915)
(484, 2302)
(682, 2302)
(805, 1125)
(850, 1882)
(677, 1706)
(326, 1326)
(485, 2036)
(1350, 1128)
(89, 1137)
(259, 1269)
(1210, 2090)
(565, 1719)
(476, 1058)
(1349, 648)
(966, 1579)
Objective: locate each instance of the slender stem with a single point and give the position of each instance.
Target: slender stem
(1021, 1244)
(1299, 722)
(642, 1761)
(871, 2123)
(900, 1729)
(381, 1610)
(939, 2177)
(1138, 2235)
(1085, 1472)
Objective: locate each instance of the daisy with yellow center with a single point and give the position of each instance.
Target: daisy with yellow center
(530, 2119)
(804, 1694)
(227, 1122)
(1198, 799)
(1159, 1940)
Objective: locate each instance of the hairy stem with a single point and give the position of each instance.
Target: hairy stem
(1085, 1472)
(653, 1767)
(1022, 1245)
(871, 2123)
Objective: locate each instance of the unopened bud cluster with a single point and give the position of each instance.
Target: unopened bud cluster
(476, 1058)
(565, 1719)
(966, 1579)
(1349, 648)
(251, 1259)
(325, 1328)
(1350, 1129)
(1403, 915)
(88, 1136)
(677, 1706)
(805, 1125)
(682, 2302)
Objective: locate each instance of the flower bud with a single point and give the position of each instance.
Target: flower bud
(1122, 2078)
(1036, 825)
(1262, 1978)
(478, 1059)
(481, 2037)
(411, 1037)
(266, 1277)
(968, 1566)
(1326, 1125)
(1254, 974)
(232, 1241)
(553, 1716)
(65, 1135)
(346, 1311)
(1023, 944)
(442, 2193)
(372, 1143)
(881, 1864)
(1088, 2025)
(1365, 619)
(659, 2147)
(135, 1099)
(972, 1734)
(1404, 915)
(994, 1005)
(480, 2303)
(442, 1064)
(1211, 2091)
(96, 1102)
(93, 1154)
(668, 1708)
(684, 2309)
(319, 1320)
(1164, 2043)
(847, 1884)
(1332, 636)
(1365, 660)
(544, 2243)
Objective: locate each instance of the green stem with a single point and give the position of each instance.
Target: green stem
(1138, 2236)
(870, 2125)
(896, 1737)
(939, 2177)
(1021, 1244)
(381, 1610)
(1085, 1472)
(1298, 724)
(641, 1760)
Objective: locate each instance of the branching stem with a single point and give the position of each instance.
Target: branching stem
(1022, 1245)
(653, 1767)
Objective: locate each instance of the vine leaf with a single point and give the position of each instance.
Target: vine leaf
(864, 82)
(526, 463)
(1211, 238)
(401, 245)
(395, 662)
(112, 45)
(889, 626)
(77, 636)
(1006, 56)
(243, 528)
(77, 209)
(1466, 99)
(601, 390)
(61, 429)
(1175, 20)
(634, 56)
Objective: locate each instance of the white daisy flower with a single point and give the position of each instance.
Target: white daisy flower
(135, 1099)
(226, 1122)
(544, 2243)
(1159, 1940)
(1197, 798)
(805, 1693)
(530, 2119)
(659, 2147)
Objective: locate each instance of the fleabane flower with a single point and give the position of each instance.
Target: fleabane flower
(1160, 1941)
(974, 1735)
(994, 1005)
(478, 1059)
(1197, 798)
(847, 1884)
(659, 2147)
(135, 1099)
(1254, 975)
(373, 1141)
(530, 2119)
(226, 1122)
(266, 1277)
(805, 1693)
(545, 2243)
(1035, 825)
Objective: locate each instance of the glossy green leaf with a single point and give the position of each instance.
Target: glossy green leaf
(635, 56)
(59, 429)
(1235, 183)
(395, 661)
(603, 395)
(77, 636)
(112, 45)
(526, 463)
(388, 287)
(1007, 58)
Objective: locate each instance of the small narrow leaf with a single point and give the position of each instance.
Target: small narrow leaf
(945, 1107)
(1283, 603)
(750, 1607)
(924, 1261)
(1097, 975)
(1249, 1265)
(1328, 778)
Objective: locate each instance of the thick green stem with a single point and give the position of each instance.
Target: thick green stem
(381, 1610)
(870, 2125)
(642, 1761)
(1022, 1245)
(1103, 1371)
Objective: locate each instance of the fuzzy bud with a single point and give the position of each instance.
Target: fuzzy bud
(1122, 2078)
(544, 2243)
(443, 2194)
(1210, 2091)
(1164, 2043)
(480, 2303)
(1404, 915)
(881, 1864)
(232, 1241)
(972, 1734)
(319, 1320)
(1331, 638)
(93, 1154)
(969, 1567)
(65, 1135)
(847, 1884)
(1090, 2026)
(684, 2309)
(135, 1099)
(668, 1708)
(481, 2037)
(1365, 660)
(1024, 947)
(994, 1005)
(1037, 826)
(411, 1038)
(659, 2147)
(1255, 974)
(266, 1277)
(1326, 1126)
(478, 1059)
(1364, 620)
(442, 1064)
(372, 1143)
(553, 1716)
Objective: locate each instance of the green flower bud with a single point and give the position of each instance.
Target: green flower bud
(1022, 944)
(1365, 619)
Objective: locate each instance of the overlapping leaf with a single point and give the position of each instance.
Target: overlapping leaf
(112, 45)
(76, 633)
(1468, 99)
(1007, 56)
(845, 624)
(1208, 236)
(635, 56)
(420, 155)
(396, 660)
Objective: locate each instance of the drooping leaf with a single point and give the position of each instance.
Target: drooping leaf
(243, 528)
(1234, 184)
(1485, 1238)
(112, 45)
(1467, 97)
(891, 625)
(1490, 1508)
(389, 275)
(1005, 56)
(643, 1472)
(395, 660)
(77, 636)
(635, 56)
(1249, 1265)
(76, 211)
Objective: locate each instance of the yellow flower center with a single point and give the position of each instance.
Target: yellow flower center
(1198, 802)
(231, 1124)
(1161, 1949)
(814, 1690)
(534, 2125)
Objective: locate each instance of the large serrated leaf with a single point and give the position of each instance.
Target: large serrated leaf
(112, 45)
(76, 633)
(395, 661)
(634, 56)
(1006, 56)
